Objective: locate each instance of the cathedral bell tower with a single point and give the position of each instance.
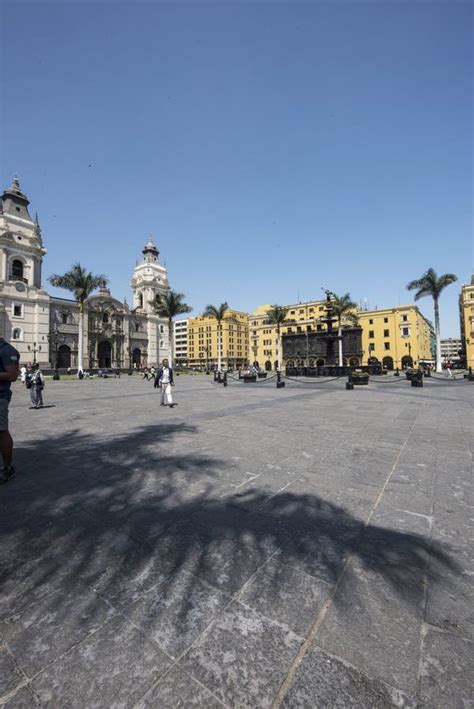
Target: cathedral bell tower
(149, 279)
(24, 306)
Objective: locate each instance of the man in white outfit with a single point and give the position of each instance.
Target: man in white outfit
(164, 379)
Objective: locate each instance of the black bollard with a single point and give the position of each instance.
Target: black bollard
(279, 384)
(224, 379)
(397, 373)
(349, 383)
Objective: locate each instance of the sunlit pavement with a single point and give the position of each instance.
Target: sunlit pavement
(301, 547)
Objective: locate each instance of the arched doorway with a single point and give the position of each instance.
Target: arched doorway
(104, 354)
(320, 363)
(354, 361)
(407, 362)
(268, 365)
(137, 356)
(64, 357)
(387, 363)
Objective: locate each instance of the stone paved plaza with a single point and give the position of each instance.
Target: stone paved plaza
(302, 547)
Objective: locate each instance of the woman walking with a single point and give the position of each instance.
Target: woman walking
(37, 386)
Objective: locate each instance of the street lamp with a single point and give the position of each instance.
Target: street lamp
(34, 350)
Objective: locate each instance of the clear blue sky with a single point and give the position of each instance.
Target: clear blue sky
(271, 148)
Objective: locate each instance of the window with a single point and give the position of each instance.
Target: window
(298, 329)
(64, 318)
(371, 322)
(16, 334)
(319, 327)
(371, 347)
(17, 269)
(386, 345)
(292, 312)
(385, 319)
(17, 311)
(311, 310)
(404, 318)
(290, 329)
(105, 318)
(308, 328)
(405, 332)
(371, 334)
(386, 333)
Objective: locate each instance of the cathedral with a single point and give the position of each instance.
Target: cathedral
(45, 328)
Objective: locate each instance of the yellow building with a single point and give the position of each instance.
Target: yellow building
(202, 341)
(302, 317)
(396, 336)
(466, 312)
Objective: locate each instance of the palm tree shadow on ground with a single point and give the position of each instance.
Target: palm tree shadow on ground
(134, 517)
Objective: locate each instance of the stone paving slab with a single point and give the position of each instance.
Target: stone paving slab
(303, 547)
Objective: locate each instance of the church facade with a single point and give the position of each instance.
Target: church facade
(45, 328)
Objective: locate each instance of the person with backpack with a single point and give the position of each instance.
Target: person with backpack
(9, 371)
(37, 386)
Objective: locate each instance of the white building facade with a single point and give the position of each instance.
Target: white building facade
(45, 328)
(180, 345)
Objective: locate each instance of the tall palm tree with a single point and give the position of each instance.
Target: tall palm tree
(277, 317)
(343, 308)
(432, 284)
(168, 305)
(81, 283)
(218, 313)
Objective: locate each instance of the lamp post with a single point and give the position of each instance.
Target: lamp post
(408, 344)
(34, 350)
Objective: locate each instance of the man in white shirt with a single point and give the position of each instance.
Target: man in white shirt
(164, 378)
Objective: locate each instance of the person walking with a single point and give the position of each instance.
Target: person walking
(164, 379)
(9, 371)
(37, 386)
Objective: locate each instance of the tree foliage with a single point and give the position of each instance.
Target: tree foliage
(431, 284)
(79, 281)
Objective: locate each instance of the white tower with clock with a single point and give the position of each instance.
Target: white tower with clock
(149, 280)
(24, 305)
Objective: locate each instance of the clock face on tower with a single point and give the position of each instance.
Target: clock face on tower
(20, 286)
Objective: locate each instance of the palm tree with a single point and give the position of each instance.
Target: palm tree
(432, 284)
(168, 305)
(343, 307)
(277, 317)
(82, 283)
(218, 313)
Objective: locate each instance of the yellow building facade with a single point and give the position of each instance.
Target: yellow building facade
(203, 341)
(396, 337)
(466, 313)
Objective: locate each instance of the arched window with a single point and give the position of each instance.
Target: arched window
(16, 334)
(105, 318)
(140, 300)
(137, 327)
(17, 269)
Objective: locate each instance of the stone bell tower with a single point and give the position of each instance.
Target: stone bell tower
(24, 306)
(149, 279)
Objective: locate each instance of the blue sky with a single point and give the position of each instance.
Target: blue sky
(270, 148)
